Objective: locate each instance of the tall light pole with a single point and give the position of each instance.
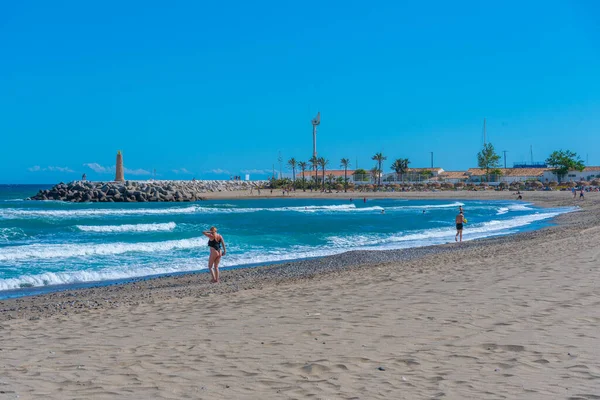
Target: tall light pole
(280, 161)
(504, 151)
(315, 122)
(431, 159)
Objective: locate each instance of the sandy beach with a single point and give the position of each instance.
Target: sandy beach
(512, 317)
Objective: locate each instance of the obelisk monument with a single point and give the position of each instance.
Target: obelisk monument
(120, 175)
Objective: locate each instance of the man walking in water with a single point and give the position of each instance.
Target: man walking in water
(460, 219)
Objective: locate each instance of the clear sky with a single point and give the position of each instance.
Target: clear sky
(211, 89)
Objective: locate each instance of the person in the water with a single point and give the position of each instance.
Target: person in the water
(460, 220)
(214, 243)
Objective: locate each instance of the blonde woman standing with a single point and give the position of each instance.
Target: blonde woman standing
(214, 243)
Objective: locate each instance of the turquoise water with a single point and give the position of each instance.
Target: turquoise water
(52, 243)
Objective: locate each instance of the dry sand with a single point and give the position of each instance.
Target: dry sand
(505, 318)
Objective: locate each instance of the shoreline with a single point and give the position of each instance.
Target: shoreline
(277, 272)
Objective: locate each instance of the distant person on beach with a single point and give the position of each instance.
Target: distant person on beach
(460, 220)
(364, 200)
(214, 243)
(581, 194)
(574, 191)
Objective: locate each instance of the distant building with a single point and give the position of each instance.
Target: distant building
(413, 175)
(454, 176)
(335, 172)
(588, 174)
(507, 175)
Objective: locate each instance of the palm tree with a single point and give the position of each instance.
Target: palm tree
(314, 161)
(323, 163)
(330, 179)
(303, 166)
(292, 163)
(344, 162)
(380, 158)
(375, 172)
(400, 166)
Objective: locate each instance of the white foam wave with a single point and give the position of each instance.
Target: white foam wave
(440, 235)
(106, 274)
(302, 209)
(76, 213)
(96, 212)
(45, 251)
(502, 210)
(169, 226)
(182, 265)
(519, 207)
(451, 205)
(7, 234)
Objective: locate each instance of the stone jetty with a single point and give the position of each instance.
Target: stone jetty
(140, 191)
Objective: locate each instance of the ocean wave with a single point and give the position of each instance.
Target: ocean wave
(502, 210)
(81, 276)
(519, 207)
(169, 226)
(98, 212)
(45, 251)
(101, 212)
(450, 205)
(301, 209)
(435, 235)
(136, 270)
(8, 234)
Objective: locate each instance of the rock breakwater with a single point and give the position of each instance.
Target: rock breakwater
(140, 191)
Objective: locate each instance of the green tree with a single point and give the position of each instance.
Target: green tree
(344, 163)
(562, 162)
(292, 163)
(376, 173)
(380, 158)
(302, 165)
(426, 174)
(400, 166)
(323, 164)
(488, 159)
(360, 175)
(330, 179)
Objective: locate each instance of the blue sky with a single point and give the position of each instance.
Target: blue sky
(212, 89)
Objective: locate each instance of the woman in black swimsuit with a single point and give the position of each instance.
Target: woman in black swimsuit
(214, 243)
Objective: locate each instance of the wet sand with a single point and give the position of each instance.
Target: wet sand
(509, 317)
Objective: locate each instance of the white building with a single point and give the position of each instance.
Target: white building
(507, 175)
(454, 176)
(588, 174)
(413, 175)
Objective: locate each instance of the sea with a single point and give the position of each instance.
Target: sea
(50, 245)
